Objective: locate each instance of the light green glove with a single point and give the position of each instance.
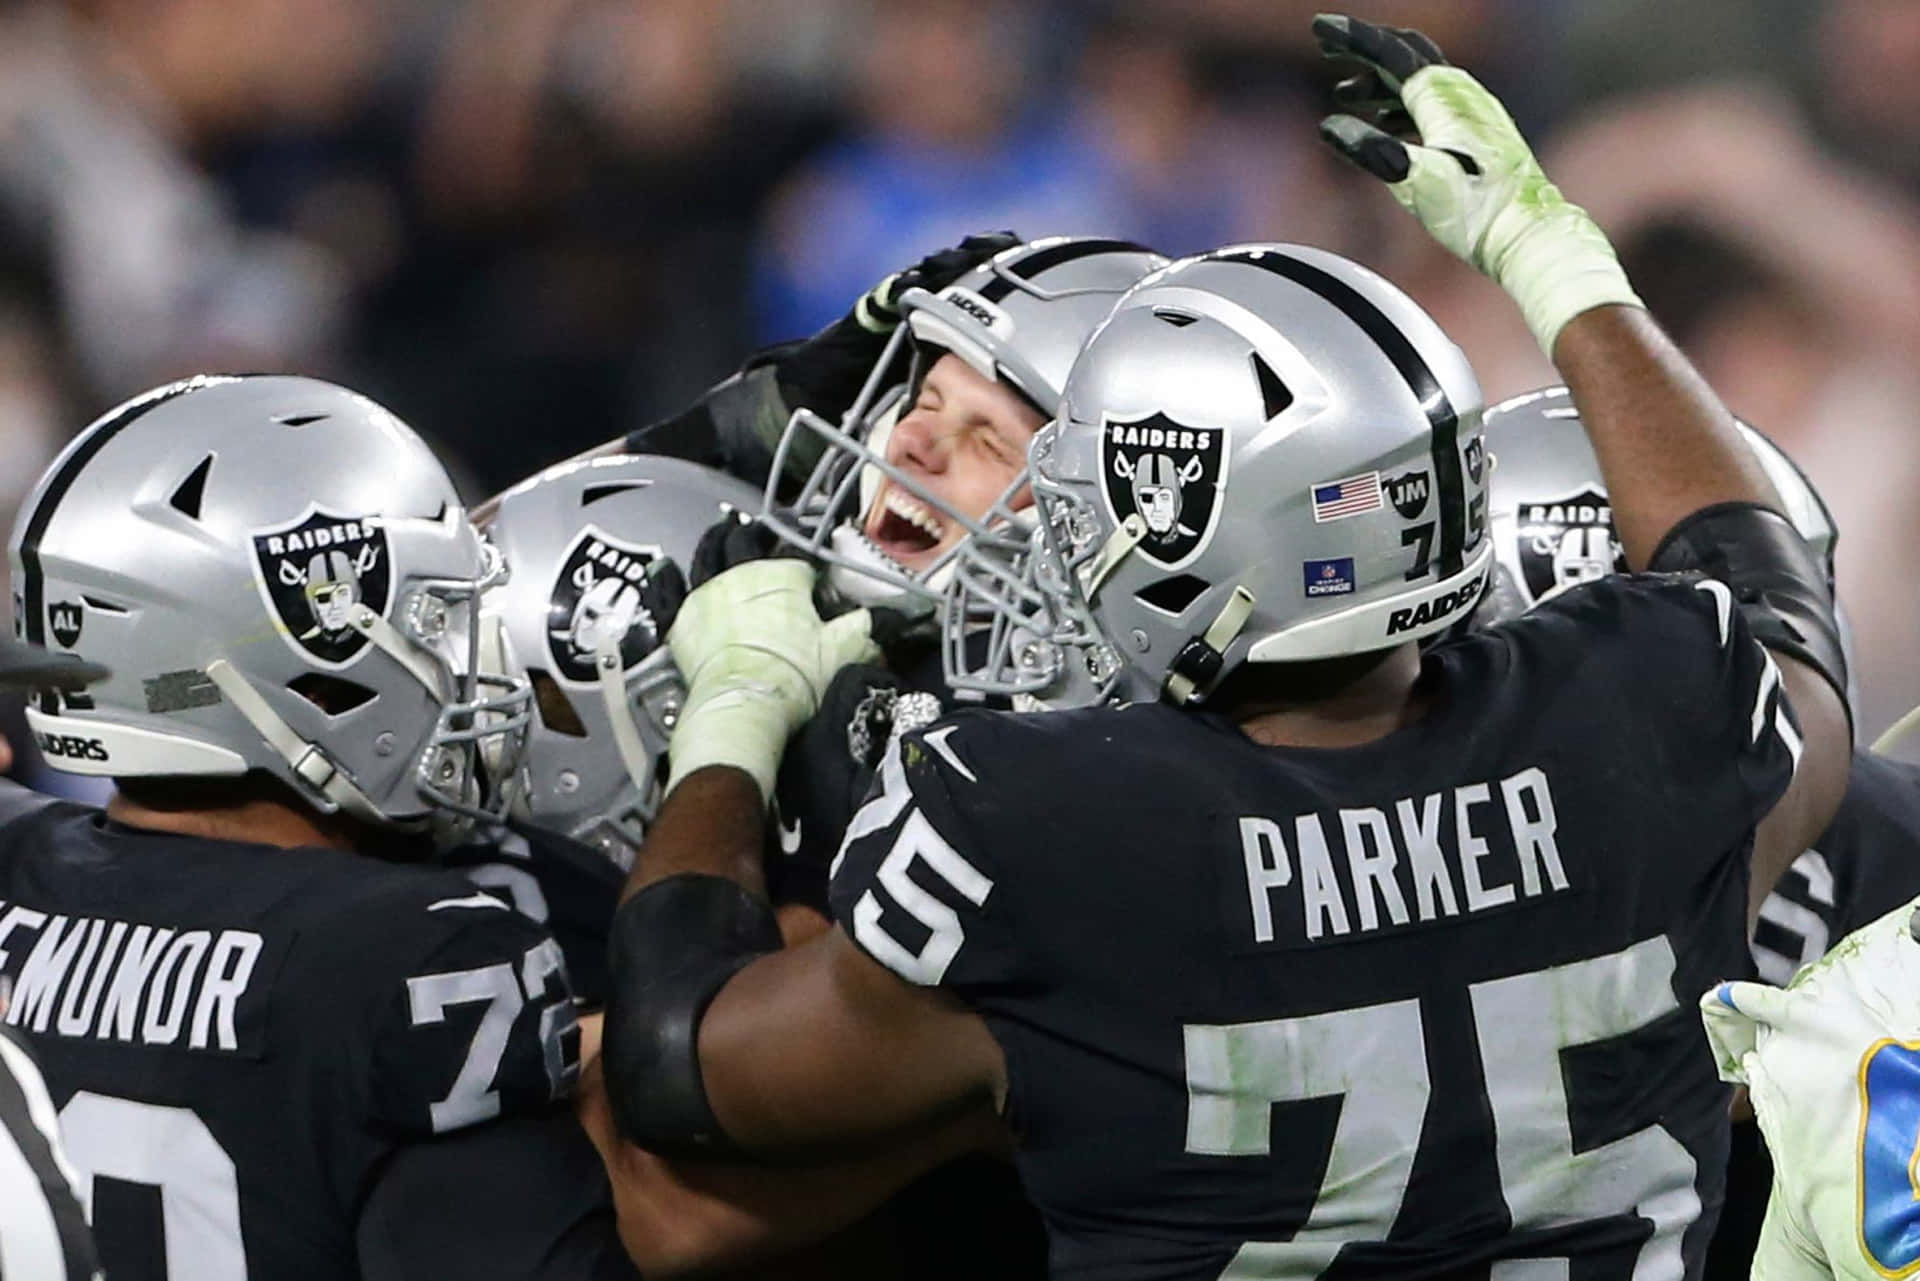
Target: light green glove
(1471, 180)
(756, 658)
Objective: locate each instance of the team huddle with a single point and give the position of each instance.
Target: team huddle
(1137, 739)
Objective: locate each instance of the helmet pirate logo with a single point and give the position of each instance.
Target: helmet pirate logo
(602, 594)
(315, 572)
(1567, 541)
(1171, 477)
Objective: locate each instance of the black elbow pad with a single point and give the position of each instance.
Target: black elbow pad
(1777, 581)
(672, 948)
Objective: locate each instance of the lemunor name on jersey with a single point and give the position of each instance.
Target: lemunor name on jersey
(1320, 877)
(120, 981)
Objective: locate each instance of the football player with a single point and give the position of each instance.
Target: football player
(1336, 959)
(882, 445)
(1552, 528)
(921, 452)
(43, 1231)
(1832, 1064)
(281, 1045)
(593, 530)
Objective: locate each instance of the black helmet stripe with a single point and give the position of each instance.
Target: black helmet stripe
(33, 586)
(1052, 256)
(1448, 477)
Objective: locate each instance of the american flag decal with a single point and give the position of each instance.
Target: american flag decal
(1350, 497)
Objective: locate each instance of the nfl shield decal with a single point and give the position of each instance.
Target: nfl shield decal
(1168, 474)
(601, 594)
(1567, 541)
(315, 572)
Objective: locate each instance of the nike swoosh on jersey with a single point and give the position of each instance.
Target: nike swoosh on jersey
(471, 900)
(938, 742)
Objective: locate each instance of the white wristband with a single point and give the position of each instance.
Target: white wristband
(741, 728)
(1556, 267)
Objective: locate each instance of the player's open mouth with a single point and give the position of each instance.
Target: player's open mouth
(904, 527)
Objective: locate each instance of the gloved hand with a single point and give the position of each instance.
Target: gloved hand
(1470, 179)
(878, 310)
(733, 540)
(826, 372)
(756, 658)
(739, 538)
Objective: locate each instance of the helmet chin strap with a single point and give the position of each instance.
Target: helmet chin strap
(388, 638)
(309, 763)
(1198, 664)
(609, 671)
(1126, 536)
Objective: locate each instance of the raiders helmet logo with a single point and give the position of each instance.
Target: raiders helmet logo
(1169, 475)
(601, 594)
(315, 572)
(63, 620)
(1566, 541)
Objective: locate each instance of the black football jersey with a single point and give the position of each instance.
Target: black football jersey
(566, 886)
(828, 768)
(1863, 866)
(239, 1038)
(1420, 1007)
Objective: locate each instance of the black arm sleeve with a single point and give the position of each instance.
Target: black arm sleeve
(1780, 585)
(521, 1199)
(735, 426)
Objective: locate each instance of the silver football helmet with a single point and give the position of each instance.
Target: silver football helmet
(1266, 454)
(588, 541)
(1020, 318)
(1551, 519)
(281, 578)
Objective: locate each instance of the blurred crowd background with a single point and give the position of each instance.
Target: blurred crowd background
(529, 225)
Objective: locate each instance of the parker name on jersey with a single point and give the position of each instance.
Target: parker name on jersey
(1402, 869)
(1347, 1012)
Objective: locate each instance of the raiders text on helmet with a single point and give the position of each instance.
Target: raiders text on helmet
(1019, 318)
(281, 578)
(1266, 454)
(584, 608)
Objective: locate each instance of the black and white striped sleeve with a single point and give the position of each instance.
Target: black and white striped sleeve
(43, 1232)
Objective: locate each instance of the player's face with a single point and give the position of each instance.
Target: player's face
(333, 604)
(965, 439)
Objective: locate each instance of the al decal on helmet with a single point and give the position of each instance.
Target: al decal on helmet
(601, 594)
(1168, 474)
(315, 571)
